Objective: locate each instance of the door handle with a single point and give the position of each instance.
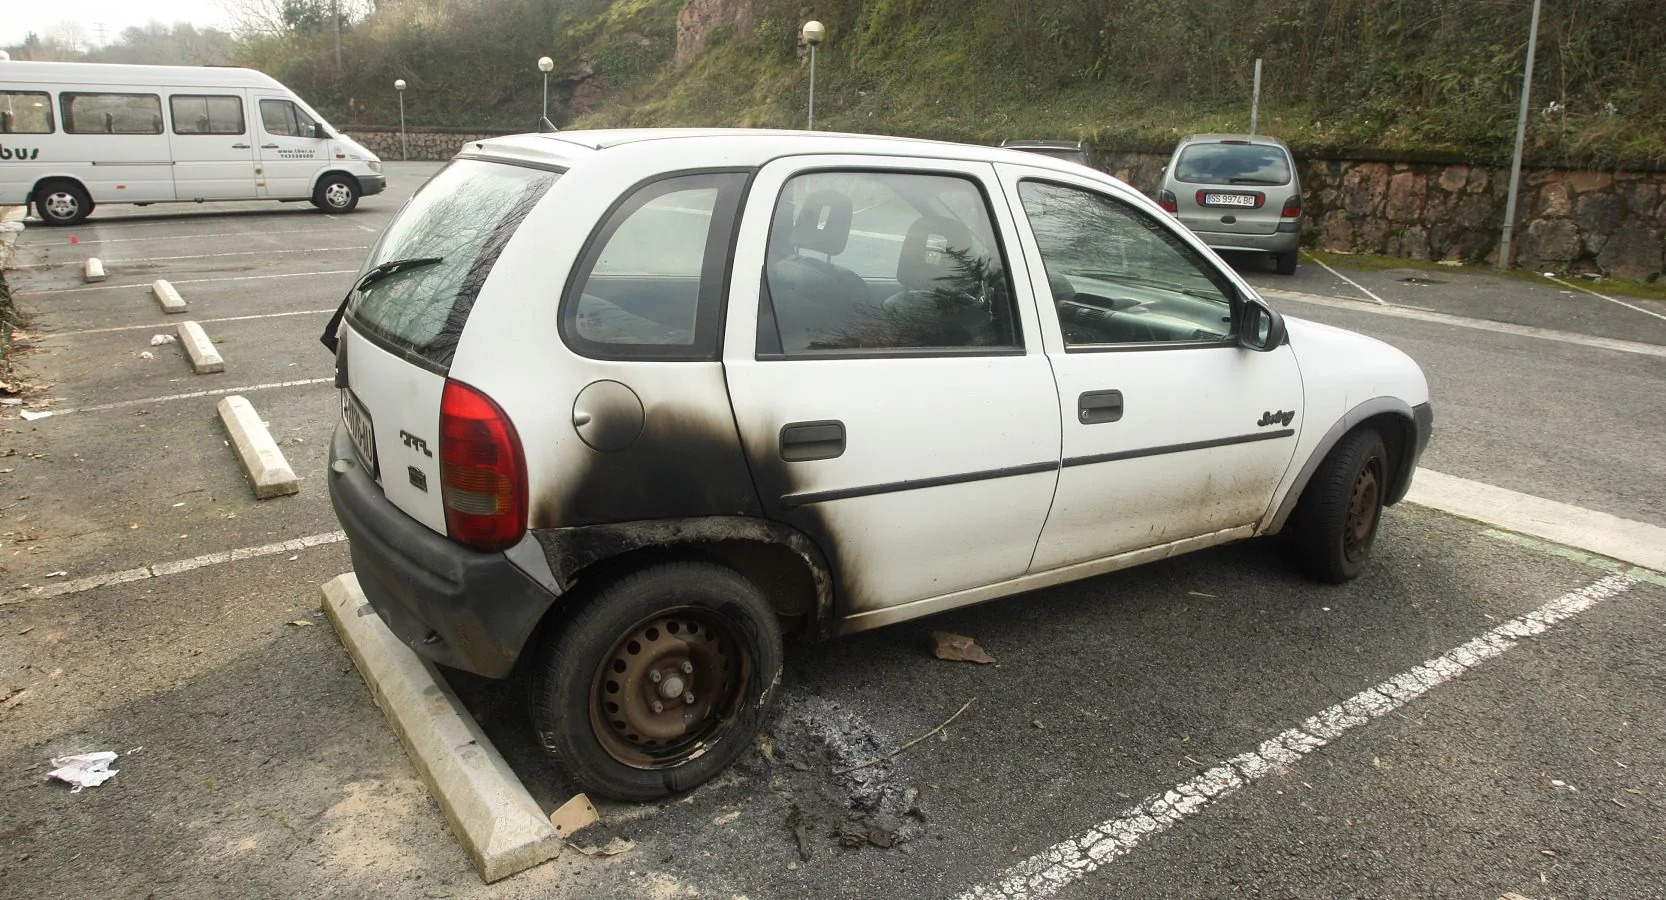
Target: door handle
(1095, 407)
(268, 146)
(239, 146)
(806, 441)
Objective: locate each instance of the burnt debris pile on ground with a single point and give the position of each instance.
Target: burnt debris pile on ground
(810, 750)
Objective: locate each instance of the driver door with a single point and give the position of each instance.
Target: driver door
(1172, 429)
(290, 156)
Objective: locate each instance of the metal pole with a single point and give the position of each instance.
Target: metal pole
(1521, 138)
(335, 16)
(404, 149)
(1255, 98)
(812, 126)
(546, 95)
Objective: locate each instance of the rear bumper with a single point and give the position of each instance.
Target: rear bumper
(1277, 242)
(372, 184)
(458, 607)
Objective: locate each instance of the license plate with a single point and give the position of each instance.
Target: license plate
(359, 429)
(1248, 201)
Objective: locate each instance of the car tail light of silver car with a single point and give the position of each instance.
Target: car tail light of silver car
(1167, 201)
(1292, 208)
(482, 471)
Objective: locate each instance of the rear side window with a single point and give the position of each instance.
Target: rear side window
(25, 112)
(651, 282)
(206, 114)
(1221, 163)
(111, 113)
(446, 239)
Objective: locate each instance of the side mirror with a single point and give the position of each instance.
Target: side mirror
(318, 131)
(1263, 328)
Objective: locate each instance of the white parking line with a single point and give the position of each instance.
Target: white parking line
(187, 237)
(1362, 288)
(117, 287)
(1646, 312)
(123, 404)
(1071, 860)
(67, 334)
(1630, 541)
(151, 259)
(172, 568)
(1403, 312)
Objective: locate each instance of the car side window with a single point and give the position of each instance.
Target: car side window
(25, 112)
(206, 114)
(1119, 276)
(89, 113)
(284, 119)
(651, 282)
(884, 261)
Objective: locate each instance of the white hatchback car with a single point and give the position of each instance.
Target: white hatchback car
(623, 407)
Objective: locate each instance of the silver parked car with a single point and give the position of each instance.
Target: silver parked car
(1237, 192)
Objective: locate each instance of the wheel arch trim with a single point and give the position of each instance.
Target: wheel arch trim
(1409, 441)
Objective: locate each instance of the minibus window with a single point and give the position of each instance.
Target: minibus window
(111, 113)
(195, 114)
(25, 112)
(283, 118)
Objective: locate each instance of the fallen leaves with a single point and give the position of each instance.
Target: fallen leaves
(958, 648)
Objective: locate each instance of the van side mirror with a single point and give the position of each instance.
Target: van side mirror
(318, 131)
(1263, 328)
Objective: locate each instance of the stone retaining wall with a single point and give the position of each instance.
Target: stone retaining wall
(427, 144)
(1568, 220)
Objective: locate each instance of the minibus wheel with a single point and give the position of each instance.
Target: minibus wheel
(336, 194)
(62, 203)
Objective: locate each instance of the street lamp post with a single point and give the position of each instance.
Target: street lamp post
(813, 33)
(404, 150)
(545, 65)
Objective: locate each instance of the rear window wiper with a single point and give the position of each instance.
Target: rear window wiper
(393, 266)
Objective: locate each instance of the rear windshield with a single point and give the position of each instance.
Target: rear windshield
(1233, 164)
(463, 216)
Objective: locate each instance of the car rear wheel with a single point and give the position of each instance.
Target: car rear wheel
(336, 194)
(1285, 262)
(659, 681)
(62, 203)
(1336, 520)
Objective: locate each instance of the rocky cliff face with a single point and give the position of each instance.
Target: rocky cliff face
(697, 20)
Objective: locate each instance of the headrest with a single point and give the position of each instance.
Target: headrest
(925, 260)
(823, 225)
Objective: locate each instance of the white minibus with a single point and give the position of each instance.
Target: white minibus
(74, 135)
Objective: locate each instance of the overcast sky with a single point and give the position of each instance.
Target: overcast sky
(19, 17)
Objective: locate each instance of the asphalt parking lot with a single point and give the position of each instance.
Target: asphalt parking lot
(1136, 737)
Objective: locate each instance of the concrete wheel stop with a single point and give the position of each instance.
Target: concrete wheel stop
(498, 824)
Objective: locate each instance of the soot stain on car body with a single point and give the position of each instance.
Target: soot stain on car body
(681, 466)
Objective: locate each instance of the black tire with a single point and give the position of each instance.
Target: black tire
(62, 203)
(1336, 520)
(593, 687)
(1285, 262)
(336, 193)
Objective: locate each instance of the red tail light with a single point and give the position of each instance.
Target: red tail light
(482, 471)
(1167, 201)
(1292, 208)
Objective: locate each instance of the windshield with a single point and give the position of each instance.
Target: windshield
(460, 220)
(1221, 163)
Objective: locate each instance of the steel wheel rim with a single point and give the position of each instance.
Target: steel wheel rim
(697, 648)
(62, 204)
(337, 195)
(1363, 507)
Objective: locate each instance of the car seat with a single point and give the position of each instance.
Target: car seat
(815, 299)
(941, 303)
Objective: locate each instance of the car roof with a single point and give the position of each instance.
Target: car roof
(735, 146)
(1050, 145)
(1261, 139)
(50, 73)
